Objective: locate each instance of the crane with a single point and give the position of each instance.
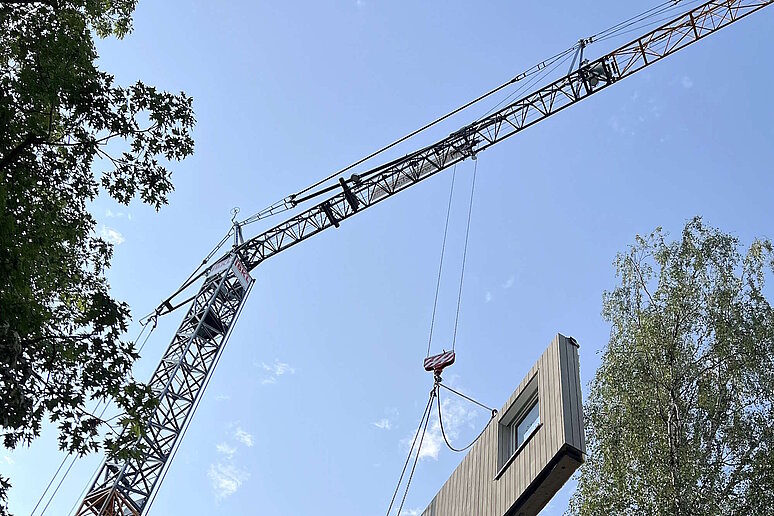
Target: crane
(128, 487)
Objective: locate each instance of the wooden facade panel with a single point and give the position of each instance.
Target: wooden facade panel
(564, 390)
(576, 396)
(528, 478)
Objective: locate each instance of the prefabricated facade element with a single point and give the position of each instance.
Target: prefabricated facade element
(529, 450)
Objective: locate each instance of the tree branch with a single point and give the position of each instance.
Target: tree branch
(30, 2)
(29, 141)
(59, 337)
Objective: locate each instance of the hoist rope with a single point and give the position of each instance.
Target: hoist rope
(443, 253)
(424, 420)
(420, 434)
(440, 265)
(416, 458)
(465, 253)
(76, 457)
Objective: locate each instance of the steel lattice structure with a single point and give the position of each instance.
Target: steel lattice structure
(125, 488)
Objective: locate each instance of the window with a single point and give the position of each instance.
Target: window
(517, 425)
(524, 427)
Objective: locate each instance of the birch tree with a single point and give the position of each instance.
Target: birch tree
(679, 416)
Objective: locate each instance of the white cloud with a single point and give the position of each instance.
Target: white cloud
(9, 460)
(275, 370)
(278, 368)
(686, 82)
(615, 124)
(111, 235)
(222, 397)
(656, 108)
(509, 282)
(226, 450)
(243, 437)
(225, 476)
(226, 479)
(488, 297)
(117, 214)
(384, 424)
(455, 417)
(411, 512)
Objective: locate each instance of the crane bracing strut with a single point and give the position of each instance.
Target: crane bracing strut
(126, 488)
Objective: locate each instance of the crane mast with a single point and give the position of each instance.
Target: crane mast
(126, 487)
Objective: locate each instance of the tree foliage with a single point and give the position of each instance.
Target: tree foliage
(67, 134)
(679, 416)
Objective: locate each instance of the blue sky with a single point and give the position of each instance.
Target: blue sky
(321, 385)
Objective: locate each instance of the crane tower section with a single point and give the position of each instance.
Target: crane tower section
(124, 488)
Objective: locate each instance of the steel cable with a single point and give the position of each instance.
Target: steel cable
(75, 458)
(425, 415)
(416, 457)
(291, 200)
(443, 431)
(440, 265)
(490, 409)
(465, 253)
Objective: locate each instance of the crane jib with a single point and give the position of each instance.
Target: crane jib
(591, 78)
(128, 488)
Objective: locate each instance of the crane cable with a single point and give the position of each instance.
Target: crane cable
(195, 275)
(465, 251)
(290, 202)
(440, 265)
(75, 458)
(420, 434)
(616, 30)
(424, 421)
(443, 253)
(440, 419)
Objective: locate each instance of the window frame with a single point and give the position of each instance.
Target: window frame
(531, 403)
(512, 417)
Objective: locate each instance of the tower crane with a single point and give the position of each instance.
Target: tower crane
(127, 487)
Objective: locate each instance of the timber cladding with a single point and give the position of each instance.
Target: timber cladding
(529, 451)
